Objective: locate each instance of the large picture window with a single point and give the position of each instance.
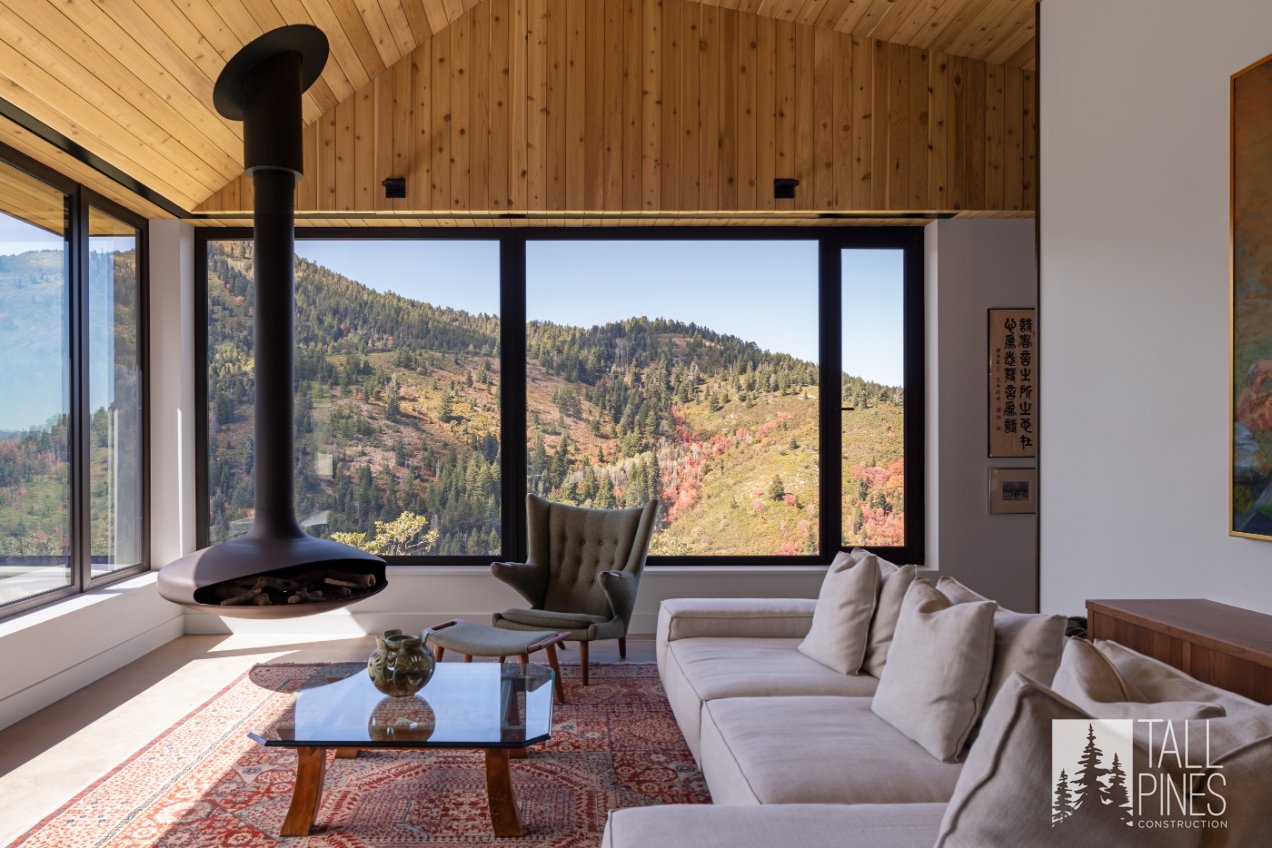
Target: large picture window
(72, 431)
(677, 370)
(397, 394)
(760, 384)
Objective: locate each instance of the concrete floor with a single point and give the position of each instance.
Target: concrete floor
(48, 757)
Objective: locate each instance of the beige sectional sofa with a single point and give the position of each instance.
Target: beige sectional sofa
(794, 756)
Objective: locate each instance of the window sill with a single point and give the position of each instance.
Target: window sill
(67, 606)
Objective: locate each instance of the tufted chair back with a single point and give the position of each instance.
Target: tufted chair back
(577, 544)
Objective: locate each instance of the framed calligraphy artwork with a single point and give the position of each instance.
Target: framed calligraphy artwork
(1013, 383)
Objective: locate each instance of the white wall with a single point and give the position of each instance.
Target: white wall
(172, 409)
(972, 266)
(50, 652)
(1134, 314)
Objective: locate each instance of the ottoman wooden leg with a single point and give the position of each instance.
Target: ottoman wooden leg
(438, 650)
(557, 683)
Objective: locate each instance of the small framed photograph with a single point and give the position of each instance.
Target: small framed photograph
(1013, 491)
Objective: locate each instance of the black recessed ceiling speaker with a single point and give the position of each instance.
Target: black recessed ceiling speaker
(276, 570)
(784, 188)
(394, 187)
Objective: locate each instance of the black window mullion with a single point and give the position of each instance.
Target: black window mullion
(512, 393)
(915, 399)
(830, 296)
(77, 425)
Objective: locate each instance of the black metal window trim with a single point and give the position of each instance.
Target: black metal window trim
(512, 243)
(79, 201)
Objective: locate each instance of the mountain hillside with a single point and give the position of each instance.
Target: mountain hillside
(398, 416)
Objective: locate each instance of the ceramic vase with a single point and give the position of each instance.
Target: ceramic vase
(400, 665)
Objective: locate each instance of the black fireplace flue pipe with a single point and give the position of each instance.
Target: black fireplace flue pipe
(262, 86)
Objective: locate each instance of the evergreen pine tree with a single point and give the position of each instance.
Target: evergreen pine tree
(605, 496)
(1089, 798)
(1063, 806)
(1117, 795)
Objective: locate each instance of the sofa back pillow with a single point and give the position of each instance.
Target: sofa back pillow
(894, 582)
(1161, 682)
(1087, 679)
(840, 631)
(933, 686)
(1246, 775)
(1006, 793)
(1023, 642)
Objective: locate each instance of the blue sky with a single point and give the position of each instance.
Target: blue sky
(763, 291)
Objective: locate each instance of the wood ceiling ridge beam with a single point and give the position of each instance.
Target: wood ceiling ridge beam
(322, 15)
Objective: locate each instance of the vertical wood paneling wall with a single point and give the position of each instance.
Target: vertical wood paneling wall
(664, 106)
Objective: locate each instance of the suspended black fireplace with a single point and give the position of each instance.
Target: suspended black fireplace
(275, 570)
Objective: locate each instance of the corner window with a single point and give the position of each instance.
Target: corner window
(72, 426)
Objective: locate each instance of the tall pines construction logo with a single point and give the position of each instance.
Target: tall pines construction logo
(1092, 772)
(1097, 783)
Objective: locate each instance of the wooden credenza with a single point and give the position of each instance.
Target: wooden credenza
(1219, 644)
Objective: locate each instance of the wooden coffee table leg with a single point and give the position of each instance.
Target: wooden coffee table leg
(347, 753)
(311, 768)
(503, 804)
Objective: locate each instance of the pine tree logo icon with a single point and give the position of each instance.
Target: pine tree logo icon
(1092, 770)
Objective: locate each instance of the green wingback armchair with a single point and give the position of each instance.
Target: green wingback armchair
(583, 571)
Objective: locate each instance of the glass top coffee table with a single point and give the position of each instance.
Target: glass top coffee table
(493, 707)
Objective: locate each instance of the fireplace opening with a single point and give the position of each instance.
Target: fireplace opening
(335, 582)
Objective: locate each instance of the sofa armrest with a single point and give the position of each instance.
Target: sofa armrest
(687, 618)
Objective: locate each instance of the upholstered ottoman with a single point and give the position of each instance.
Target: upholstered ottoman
(478, 640)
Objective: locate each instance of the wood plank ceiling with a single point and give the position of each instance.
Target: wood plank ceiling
(668, 107)
(997, 31)
(131, 80)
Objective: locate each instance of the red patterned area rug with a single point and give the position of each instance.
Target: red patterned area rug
(204, 784)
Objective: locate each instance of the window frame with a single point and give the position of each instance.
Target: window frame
(512, 322)
(79, 200)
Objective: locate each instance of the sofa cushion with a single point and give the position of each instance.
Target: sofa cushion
(1023, 642)
(818, 750)
(1005, 792)
(840, 630)
(894, 581)
(1091, 682)
(933, 686)
(805, 825)
(775, 618)
(697, 670)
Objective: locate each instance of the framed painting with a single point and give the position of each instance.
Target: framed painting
(1013, 491)
(1013, 400)
(1250, 381)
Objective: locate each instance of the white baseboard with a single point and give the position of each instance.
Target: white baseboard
(18, 705)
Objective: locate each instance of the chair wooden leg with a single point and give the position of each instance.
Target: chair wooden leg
(438, 650)
(468, 657)
(524, 659)
(557, 683)
(583, 660)
(622, 647)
